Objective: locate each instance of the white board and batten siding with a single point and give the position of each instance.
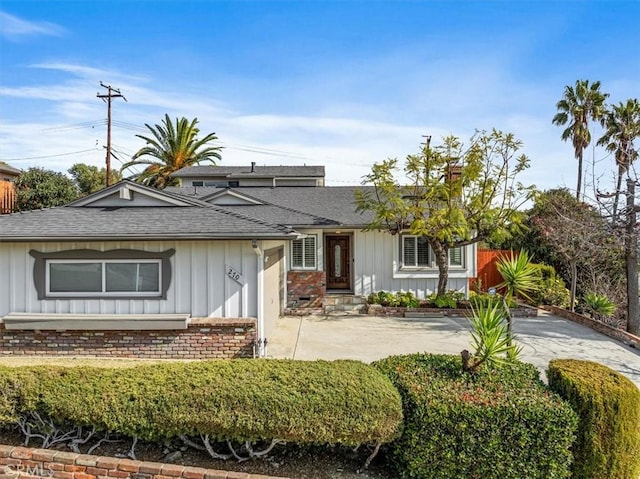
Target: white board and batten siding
(199, 286)
(377, 260)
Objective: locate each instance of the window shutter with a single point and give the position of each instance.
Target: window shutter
(423, 252)
(455, 256)
(296, 253)
(310, 252)
(409, 250)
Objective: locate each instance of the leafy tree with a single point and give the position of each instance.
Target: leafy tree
(576, 109)
(453, 195)
(171, 148)
(622, 128)
(577, 240)
(39, 188)
(90, 178)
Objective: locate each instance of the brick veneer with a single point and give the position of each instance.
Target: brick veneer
(205, 338)
(30, 463)
(306, 289)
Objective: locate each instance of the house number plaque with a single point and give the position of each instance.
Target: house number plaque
(234, 275)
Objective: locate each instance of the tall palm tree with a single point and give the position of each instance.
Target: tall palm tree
(578, 106)
(171, 148)
(622, 128)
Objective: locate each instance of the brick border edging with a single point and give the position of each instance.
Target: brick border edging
(26, 462)
(614, 333)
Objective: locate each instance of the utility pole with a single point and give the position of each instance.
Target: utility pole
(111, 93)
(631, 254)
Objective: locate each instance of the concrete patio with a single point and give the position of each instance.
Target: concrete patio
(368, 338)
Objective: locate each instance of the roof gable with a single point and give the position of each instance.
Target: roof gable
(127, 194)
(229, 197)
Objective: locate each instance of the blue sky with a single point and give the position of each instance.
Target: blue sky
(337, 83)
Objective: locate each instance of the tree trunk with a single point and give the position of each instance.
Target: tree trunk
(617, 195)
(579, 187)
(574, 282)
(631, 256)
(442, 260)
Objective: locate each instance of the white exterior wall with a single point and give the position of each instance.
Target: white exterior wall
(376, 267)
(199, 283)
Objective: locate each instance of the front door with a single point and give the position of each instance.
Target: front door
(338, 262)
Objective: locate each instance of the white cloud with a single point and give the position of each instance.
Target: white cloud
(15, 28)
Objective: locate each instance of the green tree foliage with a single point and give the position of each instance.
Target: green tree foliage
(579, 106)
(38, 188)
(452, 195)
(608, 406)
(622, 128)
(90, 178)
(170, 148)
(577, 241)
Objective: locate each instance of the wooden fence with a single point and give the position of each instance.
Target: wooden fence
(7, 197)
(488, 274)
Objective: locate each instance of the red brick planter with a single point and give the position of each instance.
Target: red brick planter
(30, 463)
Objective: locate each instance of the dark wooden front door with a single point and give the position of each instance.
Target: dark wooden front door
(338, 262)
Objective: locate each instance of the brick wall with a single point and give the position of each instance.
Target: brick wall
(306, 289)
(205, 338)
(23, 462)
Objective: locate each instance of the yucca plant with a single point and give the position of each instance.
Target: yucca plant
(599, 305)
(490, 337)
(520, 277)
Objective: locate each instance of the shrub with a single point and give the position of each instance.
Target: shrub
(608, 406)
(487, 300)
(341, 402)
(402, 298)
(552, 289)
(498, 423)
(447, 300)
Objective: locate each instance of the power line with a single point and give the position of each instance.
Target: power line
(49, 156)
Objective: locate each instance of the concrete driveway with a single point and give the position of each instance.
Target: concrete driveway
(368, 338)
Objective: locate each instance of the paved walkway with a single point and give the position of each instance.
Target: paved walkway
(368, 338)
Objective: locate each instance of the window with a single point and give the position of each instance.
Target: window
(416, 253)
(106, 277)
(115, 274)
(197, 183)
(303, 253)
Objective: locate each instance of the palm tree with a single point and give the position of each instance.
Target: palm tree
(172, 147)
(622, 127)
(577, 108)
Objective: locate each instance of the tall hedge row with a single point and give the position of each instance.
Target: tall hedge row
(608, 406)
(341, 402)
(499, 423)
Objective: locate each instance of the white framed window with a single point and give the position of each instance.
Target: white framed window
(304, 253)
(417, 254)
(108, 277)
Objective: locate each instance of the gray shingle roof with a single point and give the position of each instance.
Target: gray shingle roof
(335, 203)
(5, 168)
(242, 171)
(135, 222)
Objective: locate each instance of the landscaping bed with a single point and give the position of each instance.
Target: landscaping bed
(402, 311)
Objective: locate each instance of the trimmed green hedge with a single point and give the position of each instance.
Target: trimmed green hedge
(500, 423)
(341, 402)
(608, 406)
